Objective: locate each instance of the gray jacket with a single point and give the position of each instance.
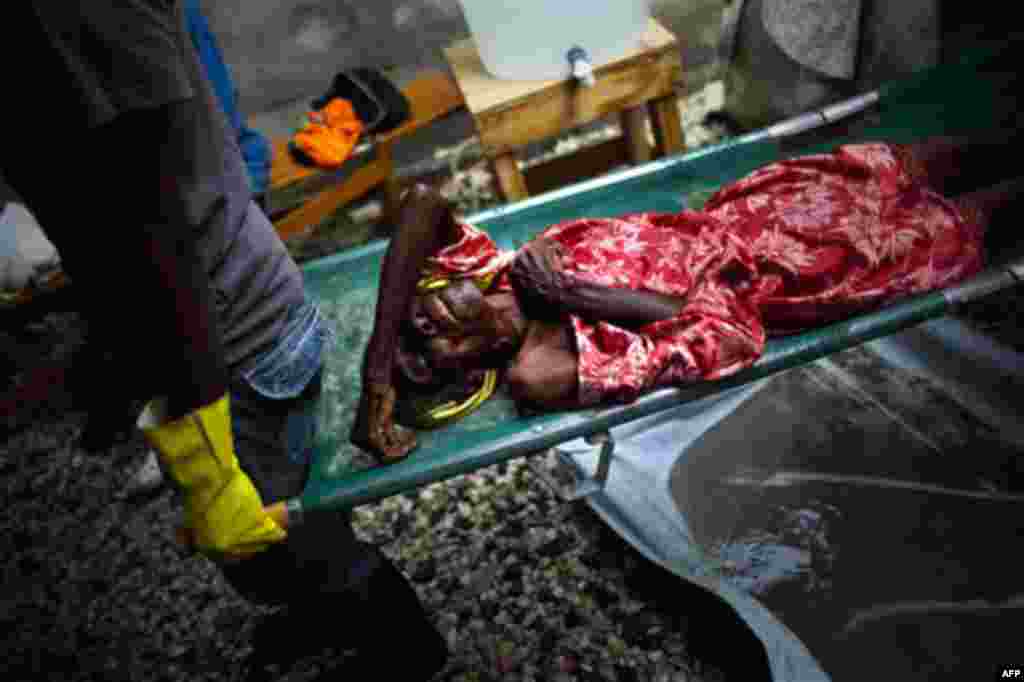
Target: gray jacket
(137, 54)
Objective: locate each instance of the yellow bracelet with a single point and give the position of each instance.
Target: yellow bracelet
(433, 283)
(452, 410)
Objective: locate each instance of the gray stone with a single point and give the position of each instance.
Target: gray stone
(425, 571)
(792, 56)
(635, 627)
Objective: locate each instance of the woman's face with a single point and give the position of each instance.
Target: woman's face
(462, 325)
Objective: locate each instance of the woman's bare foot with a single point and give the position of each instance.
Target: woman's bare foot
(952, 165)
(934, 162)
(981, 207)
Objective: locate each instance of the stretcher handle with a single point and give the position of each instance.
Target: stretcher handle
(279, 512)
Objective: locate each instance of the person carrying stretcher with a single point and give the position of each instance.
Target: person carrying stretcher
(183, 280)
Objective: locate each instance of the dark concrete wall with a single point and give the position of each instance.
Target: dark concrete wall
(282, 50)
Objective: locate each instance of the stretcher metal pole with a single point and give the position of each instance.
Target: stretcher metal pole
(815, 119)
(370, 486)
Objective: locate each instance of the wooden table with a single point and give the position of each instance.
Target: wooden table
(510, 114)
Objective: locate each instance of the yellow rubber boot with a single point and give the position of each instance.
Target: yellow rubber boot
(223, 509)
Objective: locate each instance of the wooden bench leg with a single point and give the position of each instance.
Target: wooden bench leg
(667, 125)
(310, 214)
(392, 199)
(510, 179)
(634, 131)
(392, 186)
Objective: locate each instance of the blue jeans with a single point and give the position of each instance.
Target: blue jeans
(274, 406)
(274, 416)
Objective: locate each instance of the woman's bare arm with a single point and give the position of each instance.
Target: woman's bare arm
(425, 224)
(547, 292)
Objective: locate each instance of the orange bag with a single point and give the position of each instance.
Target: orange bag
(330, 134)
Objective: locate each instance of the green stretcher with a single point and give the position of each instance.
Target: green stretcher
(952, 99)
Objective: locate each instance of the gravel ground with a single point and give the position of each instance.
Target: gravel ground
(523, 586)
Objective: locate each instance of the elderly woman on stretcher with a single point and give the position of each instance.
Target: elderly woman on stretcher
(600, 310)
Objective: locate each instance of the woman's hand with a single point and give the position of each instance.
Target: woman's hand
(455, 309)
(548, 293)
(375, 430)
(538, 264)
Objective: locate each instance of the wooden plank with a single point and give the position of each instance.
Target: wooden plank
(634, 133)
(510, 179)
(392, 187)
(555, 110)
(667, 125)
(484, 92)
(317, 209)
(585, 163)
(430, 96)
(284, 170)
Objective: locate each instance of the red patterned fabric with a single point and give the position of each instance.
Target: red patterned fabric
(794, 245)
(844, 232)
(473, 255)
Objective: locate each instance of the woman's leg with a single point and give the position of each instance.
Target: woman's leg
(334, 587)
(994, 206)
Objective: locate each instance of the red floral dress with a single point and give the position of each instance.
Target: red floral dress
(794, 245)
